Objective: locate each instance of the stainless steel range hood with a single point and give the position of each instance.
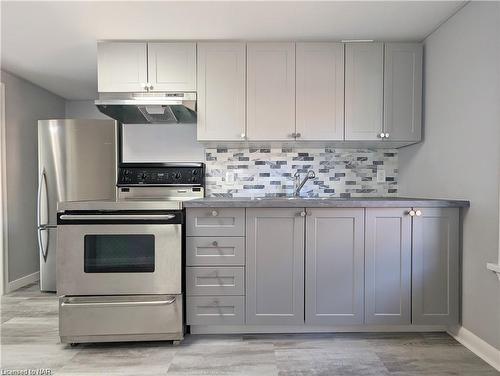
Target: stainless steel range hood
(149, 108)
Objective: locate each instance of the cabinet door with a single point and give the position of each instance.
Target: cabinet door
(387, 266)
(221, 91)
(364, 90)
(275, 266)
(172, 66)
(334, 266)
(320, 91)
(435, 279)
(403, 91)
(270, 91)
(121, 66)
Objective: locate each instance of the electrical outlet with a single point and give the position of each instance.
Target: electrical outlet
(230, 178)
(380, 175)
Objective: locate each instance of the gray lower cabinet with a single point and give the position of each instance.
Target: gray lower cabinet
(275, 266)
(215, 310)
(387, 266)
(215, 222)
(435, 266)
(215, 280)
(335, 266)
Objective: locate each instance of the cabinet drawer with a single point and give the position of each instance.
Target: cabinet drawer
(215, 310)
(120, 315)
(215, 222)
(215, 281)
(201, 251)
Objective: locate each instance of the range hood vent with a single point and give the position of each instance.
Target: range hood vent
(149, 108)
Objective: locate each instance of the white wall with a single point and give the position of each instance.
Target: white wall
(460, 155)
(149, 142)
(25, 104)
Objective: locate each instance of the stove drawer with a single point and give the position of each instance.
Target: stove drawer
(215, 222)
(215, 310)
(204, 251)
(215, 281)
(119, 315)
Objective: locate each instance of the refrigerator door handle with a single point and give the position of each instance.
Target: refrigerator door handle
(43, 251)
(41, 184)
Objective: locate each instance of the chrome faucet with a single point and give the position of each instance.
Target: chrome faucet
(299, 184)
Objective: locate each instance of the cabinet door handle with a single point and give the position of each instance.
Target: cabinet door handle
(145, 86)
(382, 135)
(418, 213)
(243, 135)
(411, 213)
(387, 135)
(293, 135)
(298, 135)
(150, 87)
(303, 213)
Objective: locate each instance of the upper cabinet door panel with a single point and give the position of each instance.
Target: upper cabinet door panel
(270, 91)
(121, 66)
(221, 91)
(320, 91)
(364, 85)
(403, 91)
(172, 66)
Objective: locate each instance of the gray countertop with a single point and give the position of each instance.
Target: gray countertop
(395, 202)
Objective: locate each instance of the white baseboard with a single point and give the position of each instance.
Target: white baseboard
(23, 281)
(478, 346)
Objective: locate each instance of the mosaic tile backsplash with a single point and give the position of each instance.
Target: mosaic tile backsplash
(269, 172)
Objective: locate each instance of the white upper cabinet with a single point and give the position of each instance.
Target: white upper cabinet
(122, 66)
(172, 66)
(364, 90)
(320, 91)
(221, 91)
(403, 91)
(141, 66)
(270, 91)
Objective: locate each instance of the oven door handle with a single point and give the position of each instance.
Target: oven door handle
(120, 304)
(100, 217)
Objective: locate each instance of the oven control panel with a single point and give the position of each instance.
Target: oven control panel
(193, 175)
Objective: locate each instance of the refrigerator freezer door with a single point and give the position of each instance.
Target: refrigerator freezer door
(47, 240)
(76, 161)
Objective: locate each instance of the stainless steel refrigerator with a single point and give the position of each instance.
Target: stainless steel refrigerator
(76, 161)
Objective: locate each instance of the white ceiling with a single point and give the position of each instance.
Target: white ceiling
(53, 44)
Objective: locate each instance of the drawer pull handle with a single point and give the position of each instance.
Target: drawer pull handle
(215, 213)
(114, 304)
(215, 244)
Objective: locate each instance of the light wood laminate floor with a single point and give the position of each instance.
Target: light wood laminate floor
(29, 330)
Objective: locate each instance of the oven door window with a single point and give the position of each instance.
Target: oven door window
(121, 253)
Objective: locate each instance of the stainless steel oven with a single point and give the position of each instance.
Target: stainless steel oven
(119, 252)
(120, 263)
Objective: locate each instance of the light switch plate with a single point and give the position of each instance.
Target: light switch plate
(381, 175)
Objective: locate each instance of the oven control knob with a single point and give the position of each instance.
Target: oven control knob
(143, 176)
(178, 175)
(193, 179)
(194, 172)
